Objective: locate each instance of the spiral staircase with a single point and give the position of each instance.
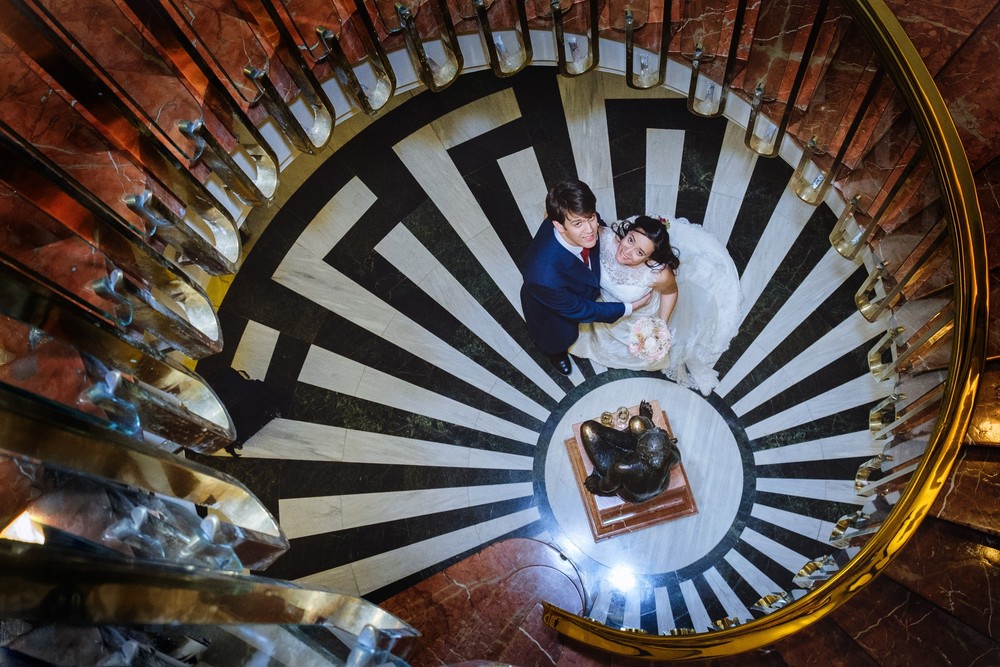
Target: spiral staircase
(375, 305)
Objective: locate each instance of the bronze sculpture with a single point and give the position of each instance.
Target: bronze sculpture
(633, 464)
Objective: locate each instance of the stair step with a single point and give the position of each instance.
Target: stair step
(898, 627)
(954, 568)
(969, 497)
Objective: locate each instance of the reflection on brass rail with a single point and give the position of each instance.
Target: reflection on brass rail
(502, 62)
(371, 101)
(165, 301)
(307, 140)
(51, 585)
(770, 144)
(714, 108)
(643, 81)
(171, 401)
(61, 438)
(217, 252)
(813, 188)
(256, 190)
(585, 62)
(435, 76)
(850, 247)
(915, 413)
(868, 299)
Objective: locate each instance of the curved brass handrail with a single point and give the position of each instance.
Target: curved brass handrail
(954, 175)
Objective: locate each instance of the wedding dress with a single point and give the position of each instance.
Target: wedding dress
(703, 322)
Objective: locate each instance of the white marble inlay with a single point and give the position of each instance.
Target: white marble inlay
(844, 446)
(664, 150)
(787, 558)
(633, 609)
(861, 390)
(729, 186)
(789, 217)
(407, 254)
(477, 118)
(602, 603)
(759, 581)
(799, 523)
(256, 346)
(495, 493)
(364, 509)
(700, 620)
(429, 163)
(711, 460)
(301, 517)
(297, 441)
(664, 614)
(527, 185)
(587, 122)
(337, 373)
(836, 490)
(336, 218)
(834, 344)
(727, 596)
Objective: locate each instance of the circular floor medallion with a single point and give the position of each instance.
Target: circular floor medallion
(711, 459)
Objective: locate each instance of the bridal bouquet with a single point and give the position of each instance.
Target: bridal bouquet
(649, 339)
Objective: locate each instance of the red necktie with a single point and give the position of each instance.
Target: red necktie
(585, 255)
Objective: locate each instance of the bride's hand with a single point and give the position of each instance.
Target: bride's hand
(642, 302)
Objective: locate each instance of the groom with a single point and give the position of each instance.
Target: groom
(562, 274)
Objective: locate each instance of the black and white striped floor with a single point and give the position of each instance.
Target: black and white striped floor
(418, 422)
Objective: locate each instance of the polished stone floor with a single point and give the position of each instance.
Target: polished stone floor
(419, 425)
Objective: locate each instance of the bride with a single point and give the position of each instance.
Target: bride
(695, 289)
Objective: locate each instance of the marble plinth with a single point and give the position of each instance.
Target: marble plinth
(610, 515)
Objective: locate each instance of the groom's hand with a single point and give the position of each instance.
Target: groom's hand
(642, 302)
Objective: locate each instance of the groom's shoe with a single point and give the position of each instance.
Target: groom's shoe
(561, 362)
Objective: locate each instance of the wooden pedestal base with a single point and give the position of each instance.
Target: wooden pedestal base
(610, 515)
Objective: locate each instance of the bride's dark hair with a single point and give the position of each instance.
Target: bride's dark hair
(656, 231)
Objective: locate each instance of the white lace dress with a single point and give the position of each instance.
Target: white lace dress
(703, 322)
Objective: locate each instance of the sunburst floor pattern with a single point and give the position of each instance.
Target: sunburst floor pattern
(418, 422)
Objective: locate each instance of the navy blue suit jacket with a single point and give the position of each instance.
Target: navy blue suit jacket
(560, 291)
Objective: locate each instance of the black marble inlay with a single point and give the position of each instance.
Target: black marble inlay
(840, 423)
(768, 182)
(840, 371)
(803, 254)
(346, 546)
(835, 309)
(647, 611)
(321, 406)
(490, 189)
(745, 593)
(628, 121)
(540, 102)
(771, 569)
(844, 468)
(826, 510)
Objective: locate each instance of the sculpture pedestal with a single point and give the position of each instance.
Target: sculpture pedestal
(610, 515)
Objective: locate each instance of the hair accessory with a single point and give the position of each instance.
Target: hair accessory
(664, 222)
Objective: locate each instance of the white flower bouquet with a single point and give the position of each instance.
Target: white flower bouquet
(649, 339)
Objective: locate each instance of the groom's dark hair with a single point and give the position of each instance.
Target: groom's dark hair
(570, 196)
